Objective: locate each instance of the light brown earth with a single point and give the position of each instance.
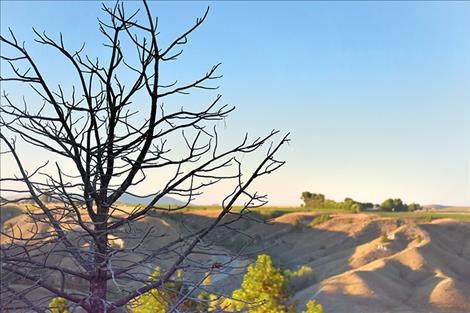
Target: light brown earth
(423, 268)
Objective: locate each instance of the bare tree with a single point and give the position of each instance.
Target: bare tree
(104, 137)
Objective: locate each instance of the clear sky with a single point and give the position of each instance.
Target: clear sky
(375, 94)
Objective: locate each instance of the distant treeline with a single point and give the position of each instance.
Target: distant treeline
(396, 205)
(318, 201)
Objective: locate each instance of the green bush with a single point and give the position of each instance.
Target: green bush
(154, 301)
(300, 279)
(313, 307)
(384, 237)
(160, 299)
(419, 238)
(356, 208)
(414, 207)
(59, 305)
(263, 290)
(214, 303)
(428, 218)
(320, 220)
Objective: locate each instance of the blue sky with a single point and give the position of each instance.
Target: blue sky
(375, 94)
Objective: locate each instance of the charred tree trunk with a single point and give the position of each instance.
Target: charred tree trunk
(99, 280)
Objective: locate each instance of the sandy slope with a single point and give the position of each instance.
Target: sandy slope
(430, 276)
(424, 268)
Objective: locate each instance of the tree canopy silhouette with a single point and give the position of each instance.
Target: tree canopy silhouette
(104, 137)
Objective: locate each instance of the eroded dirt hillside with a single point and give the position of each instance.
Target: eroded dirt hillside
(420, 267)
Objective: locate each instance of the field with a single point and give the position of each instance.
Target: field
(462, 214)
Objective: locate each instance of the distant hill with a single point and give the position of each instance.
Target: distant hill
(436, 206)
(130, 199)
(445, 207)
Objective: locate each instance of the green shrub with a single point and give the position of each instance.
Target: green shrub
(155, 301)
(356, 208)
(419, 238)
(428, 218)
(384, 237)
(160, 299)
(313, 307)
(214, 303)
(320, 220)
(300, 279)
(263, 290)
(205, 299)
(59, 305)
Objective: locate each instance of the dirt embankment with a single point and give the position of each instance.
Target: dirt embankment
(420, 268)
(415, 267)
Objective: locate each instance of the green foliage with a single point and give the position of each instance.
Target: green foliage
(397, 205)
(159, 300)
(414, 207)
(263, 290)
(318, 201)
(154, 301)
(367, 205)
(387, 205)
(207, 302)
(348, 203)
(45, 198)
(214, 303)
(301, 278)
(356, 208)
(59, 305)
(302, 271)
(419, 238)
(313, 200)
(320, 220)
(428, 218)
(384, 237)
(313, 307)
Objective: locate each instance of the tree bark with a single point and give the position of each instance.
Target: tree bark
(98, 283)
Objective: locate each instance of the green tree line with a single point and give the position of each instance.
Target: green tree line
(319, 201)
